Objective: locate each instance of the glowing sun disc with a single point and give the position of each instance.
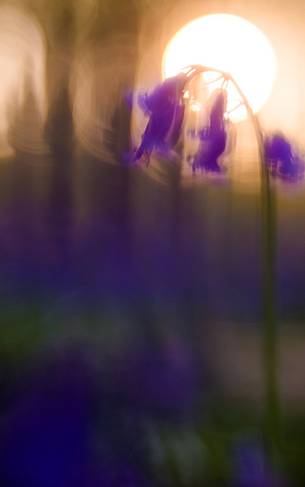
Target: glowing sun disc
(231, 44)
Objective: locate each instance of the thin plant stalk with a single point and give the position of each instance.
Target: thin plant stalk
(269, 249)
(270, 329)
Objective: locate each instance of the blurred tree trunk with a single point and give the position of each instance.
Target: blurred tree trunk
(60, 23)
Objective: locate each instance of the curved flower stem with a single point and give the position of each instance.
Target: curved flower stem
(269, 247)
(270, 332)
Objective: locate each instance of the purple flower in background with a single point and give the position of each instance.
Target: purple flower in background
(47, 440)
(45, 433)
(156, 381)
(251, 468)
(282, 159)
(212, 138)
(165, 108)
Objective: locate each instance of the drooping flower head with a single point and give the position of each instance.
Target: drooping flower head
(218, 106)
(212, 138)
(165, 108)
(283, 160)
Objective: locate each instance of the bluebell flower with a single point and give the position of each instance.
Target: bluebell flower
(165, 108)
(156, 382)
(282, 159)
(213, 138)
(47, 441)
(251, 468)
(45, 433)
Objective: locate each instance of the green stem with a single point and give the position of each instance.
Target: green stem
(270, 331)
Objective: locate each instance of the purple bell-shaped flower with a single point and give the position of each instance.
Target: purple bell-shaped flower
(165, 108)
(283, 161)
(213, 138)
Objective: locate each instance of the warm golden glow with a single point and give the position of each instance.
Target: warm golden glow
(22, 66)
(231, 44)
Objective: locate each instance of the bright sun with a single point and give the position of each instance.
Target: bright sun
(231, 44)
